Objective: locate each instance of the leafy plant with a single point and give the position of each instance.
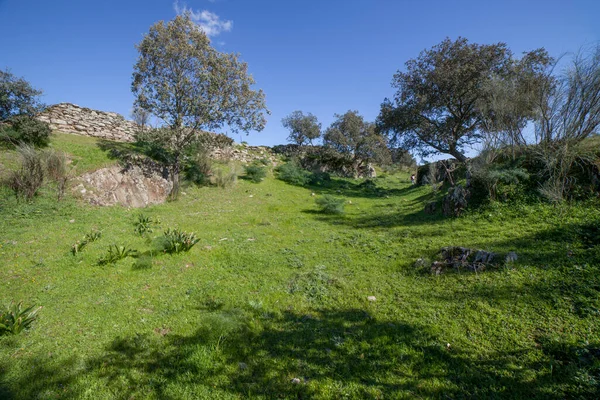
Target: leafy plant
(176, 241)
(330, 205)
(15, 319)
(116, 253)
(88, 238)
(145, 224)
(255, 173)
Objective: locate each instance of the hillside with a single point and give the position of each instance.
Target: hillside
(280, 300)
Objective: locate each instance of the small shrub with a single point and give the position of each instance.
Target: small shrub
(264, 161)
(293, 173)
(330, 205)
(176, 241)
(224, 177)
(56, 170)
(255, 173)
(28, 179)
(145, 224)
(29, 130)
(198, 167)
(143, 262)
(319, 178)
(15, 319)
(116, 253)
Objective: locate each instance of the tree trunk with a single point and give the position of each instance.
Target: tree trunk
(175, 170)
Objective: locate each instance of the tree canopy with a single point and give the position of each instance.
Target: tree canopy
(303, 128)
(190, 86)
(442, 103)
(17, 96)
(351, 135)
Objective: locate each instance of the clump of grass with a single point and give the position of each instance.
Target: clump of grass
(116, 253)
(330, 205)
(224, 176)
(177, 241)
(15, 318)
(314, 285)
(28, 179)
(143, 262)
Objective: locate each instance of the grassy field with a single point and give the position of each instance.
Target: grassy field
(273, 300)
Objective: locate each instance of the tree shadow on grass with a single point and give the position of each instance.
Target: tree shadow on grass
(326, 354)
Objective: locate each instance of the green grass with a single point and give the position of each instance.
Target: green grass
(275, 290)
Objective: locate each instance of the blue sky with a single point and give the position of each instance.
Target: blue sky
(323, 57)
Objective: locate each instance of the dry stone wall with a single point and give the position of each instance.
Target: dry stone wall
(71, 118)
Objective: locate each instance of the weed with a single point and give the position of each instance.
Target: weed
(88, 238)
(116, 253)
(145, 224)
(15, 319)
(176, 241)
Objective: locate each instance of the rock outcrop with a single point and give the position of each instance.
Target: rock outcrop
(131, 187)
(71, 118)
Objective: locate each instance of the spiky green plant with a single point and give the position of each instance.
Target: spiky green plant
(145, 224)
(15, 319)
(176, 241)
(116, 253)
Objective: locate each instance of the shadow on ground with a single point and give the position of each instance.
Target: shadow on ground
(327, 354)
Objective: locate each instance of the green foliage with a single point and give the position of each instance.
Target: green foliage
(319, 178)
(28, 130)
(291, 172)
(183, 80)
(56, 170)
(116, 253)
(144, 224)
(14, 319)
(303, 128)
(330, 205)
(444, 96)
(17, 96)
(88, 238)
(177, 241)
(255, 173)
(351, 135)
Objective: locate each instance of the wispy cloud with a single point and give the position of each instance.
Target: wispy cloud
(209, 22)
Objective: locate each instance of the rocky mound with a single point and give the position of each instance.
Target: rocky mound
(131, 187)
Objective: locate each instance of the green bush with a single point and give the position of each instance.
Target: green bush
(293, 173)
(176, 241)
(198, 167)
(28, 130)
(319, 178)
(330, 205)
(15, 319)
(255, 173)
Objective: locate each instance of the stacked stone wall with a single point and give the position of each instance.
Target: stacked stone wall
(71, 118)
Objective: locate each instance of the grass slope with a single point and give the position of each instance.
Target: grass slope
(272, 302)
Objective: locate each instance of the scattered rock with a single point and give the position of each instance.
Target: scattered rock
(296, 381)
(511, 257)
(458, 258)
(372, 298)
(430, 207)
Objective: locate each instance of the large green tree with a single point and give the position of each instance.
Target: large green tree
(17, 96)
(442, 103)
(303, 128)
(181, 79)
(356, 138)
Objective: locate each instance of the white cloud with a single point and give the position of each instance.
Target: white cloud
(209, 22)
